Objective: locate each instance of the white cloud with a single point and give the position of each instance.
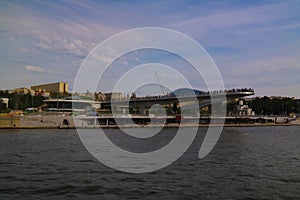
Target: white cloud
(34, 68)
(273, 75)
(253, 45)
(238, 17)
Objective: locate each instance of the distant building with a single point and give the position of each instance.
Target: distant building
(244, 109)
(100, 97)
(23, 90)
(87, 94)
(59, 87)
(42, 93)
(4, 103)
(115, 96)
(276, 97)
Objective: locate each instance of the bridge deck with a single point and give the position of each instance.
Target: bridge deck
(170, 99)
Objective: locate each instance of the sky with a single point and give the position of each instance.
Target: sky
(255, 44)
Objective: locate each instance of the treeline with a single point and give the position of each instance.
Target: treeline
(268, 106)
(20, 101)
(274, 106)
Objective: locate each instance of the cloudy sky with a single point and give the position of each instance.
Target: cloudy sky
(254, 43)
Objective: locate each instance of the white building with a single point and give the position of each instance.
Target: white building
(4, 101)
(244, 109)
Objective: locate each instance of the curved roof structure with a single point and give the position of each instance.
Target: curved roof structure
(186, 92)
(79, 98)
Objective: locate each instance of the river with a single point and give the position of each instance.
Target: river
(246, 163)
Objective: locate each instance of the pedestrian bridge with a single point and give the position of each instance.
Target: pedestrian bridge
(204, 99)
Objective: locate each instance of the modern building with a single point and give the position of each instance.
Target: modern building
(71, 104)
(59, 87)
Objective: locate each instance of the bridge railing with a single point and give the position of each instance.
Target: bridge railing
(214, 92)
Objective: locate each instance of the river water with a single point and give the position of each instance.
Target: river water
(246, 163)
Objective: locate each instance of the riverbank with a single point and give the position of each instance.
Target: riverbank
(149, 126)
(67, 122)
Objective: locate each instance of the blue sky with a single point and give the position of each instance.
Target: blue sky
(254, 43)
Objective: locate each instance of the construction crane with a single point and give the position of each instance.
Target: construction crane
(162, 88)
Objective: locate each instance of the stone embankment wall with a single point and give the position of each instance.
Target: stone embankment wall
(36, 121)
(9, 122)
